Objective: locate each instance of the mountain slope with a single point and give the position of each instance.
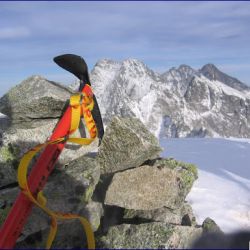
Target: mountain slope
(212, 73)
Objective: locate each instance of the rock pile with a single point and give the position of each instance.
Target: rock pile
(131, 196)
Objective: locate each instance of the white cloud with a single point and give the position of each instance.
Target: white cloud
(14, 32)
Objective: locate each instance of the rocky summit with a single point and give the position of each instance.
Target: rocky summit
(137, 202)
(132, 197)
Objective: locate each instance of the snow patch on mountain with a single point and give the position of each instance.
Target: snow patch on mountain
(178, 79)
(222, 88)
(189, 103)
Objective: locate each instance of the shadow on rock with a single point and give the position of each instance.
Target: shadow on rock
(10, 156)
(69, 190)
(237, 240)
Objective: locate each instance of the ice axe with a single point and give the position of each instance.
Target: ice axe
(20, 211)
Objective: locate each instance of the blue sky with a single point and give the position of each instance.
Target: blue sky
(161, 34)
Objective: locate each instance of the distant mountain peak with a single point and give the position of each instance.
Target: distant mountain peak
(127, 65)
(210, 66)
(214, 74)
(185, 67)
(211, 71)
(133, 61)
(103, 63)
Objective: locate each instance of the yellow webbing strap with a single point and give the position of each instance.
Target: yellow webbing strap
(75, 101)
(78, 106)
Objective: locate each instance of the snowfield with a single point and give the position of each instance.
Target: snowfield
(222, 191)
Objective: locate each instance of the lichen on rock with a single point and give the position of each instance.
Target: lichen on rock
(180, 216)
(187, 172)
(144, 188)
(210, 226)
(126, 236)
(33, 100)
(164, 183)
(4, 213)
(126, 144)
(153, 235)
(9, 153)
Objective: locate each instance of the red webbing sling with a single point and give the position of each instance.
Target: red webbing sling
(21, 209)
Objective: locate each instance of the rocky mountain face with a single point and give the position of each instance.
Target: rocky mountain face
(181, 102)
(131, 196)
(214, 74)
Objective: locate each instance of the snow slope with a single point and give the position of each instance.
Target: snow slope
(222, 190)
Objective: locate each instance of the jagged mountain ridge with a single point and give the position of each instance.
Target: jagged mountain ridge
(182, 102)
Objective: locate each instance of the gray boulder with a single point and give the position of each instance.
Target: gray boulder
(183, 237)
(163, 184)
(126, 236)
(16, 142)
(210, 226)
(68, 190)
(33, 109)
(70, 232)
(22, 140)
(180, 216)
(93, 212)
(72, 185)
(149, 236)
(187, 172)
(144, 188)
(9, 161)
(126, 144)
(5, 123)
(7, 174)
(33, 101)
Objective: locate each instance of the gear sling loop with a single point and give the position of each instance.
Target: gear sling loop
(40, 201)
